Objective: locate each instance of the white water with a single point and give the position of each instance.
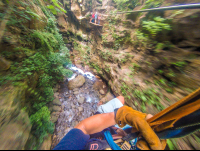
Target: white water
(88, 75)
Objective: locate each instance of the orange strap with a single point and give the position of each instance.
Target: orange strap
(166, 118)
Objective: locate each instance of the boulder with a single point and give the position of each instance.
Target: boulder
(54, 116)
(76, 89)
(80, 109)
(102, 91)
(76, 92)
(81, 100)
(56, 102)
(76, 83)
(72, 105)
(74, 123)
(56, 95)
(56, 108)
(107, 98)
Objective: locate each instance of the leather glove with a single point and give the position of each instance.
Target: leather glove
(126, 115)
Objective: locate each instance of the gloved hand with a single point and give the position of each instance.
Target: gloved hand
(126, 115)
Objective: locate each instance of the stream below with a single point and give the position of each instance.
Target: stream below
(79, 103)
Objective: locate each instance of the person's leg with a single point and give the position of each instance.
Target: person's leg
(111, 105)
(121, 98)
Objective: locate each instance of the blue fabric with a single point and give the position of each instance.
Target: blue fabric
(110, 141)
(74, 140)
(96, 16)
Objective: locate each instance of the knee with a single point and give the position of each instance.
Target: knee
(149, 116)
(121, 98)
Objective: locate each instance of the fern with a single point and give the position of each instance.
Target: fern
(53, 8)
(156, 26)
(46, 40)
(31, 13)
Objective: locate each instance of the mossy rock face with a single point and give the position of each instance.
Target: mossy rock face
(15, 124)
(4, 64)
(31, 143)
(46, 145)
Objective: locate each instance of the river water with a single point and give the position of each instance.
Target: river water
(77, 104)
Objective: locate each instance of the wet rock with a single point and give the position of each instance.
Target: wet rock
(73, 106)
(107, 98)
(80, 109)
(56, 108)
(62, 107)
(81, 100)
(97, 77)
(76, 89)
(62, 21)
(102, 91)
(56, 102)
(54, 116)
(76, 92)
(100, 86)
(74, 123)
(55, 90)
(77, 82)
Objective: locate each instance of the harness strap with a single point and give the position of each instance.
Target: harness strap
(110, 141)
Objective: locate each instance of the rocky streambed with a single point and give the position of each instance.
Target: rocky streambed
(77, 98)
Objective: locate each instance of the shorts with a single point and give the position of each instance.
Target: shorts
(110, 106)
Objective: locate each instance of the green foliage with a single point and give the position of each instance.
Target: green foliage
(32, 14)
(18, 17)
(180, 64)
(149, 95)
(45, 40)
(107, 68)
(160, 71)
(134, 67)
(152, 3)
(41, 123)
(56, 7)
(156, 26)
(142, 39)
(170, 144)
(107, 55)
(177, 12)
(93, 65)
(126, 4)
(44, 55)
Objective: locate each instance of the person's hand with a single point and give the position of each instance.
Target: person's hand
(126, 115)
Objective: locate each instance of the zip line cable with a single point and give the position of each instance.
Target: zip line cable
(176, 7)
(187, 6)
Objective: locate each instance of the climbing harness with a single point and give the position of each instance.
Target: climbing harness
(178, 120)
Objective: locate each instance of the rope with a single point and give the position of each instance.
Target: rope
(110, 141)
